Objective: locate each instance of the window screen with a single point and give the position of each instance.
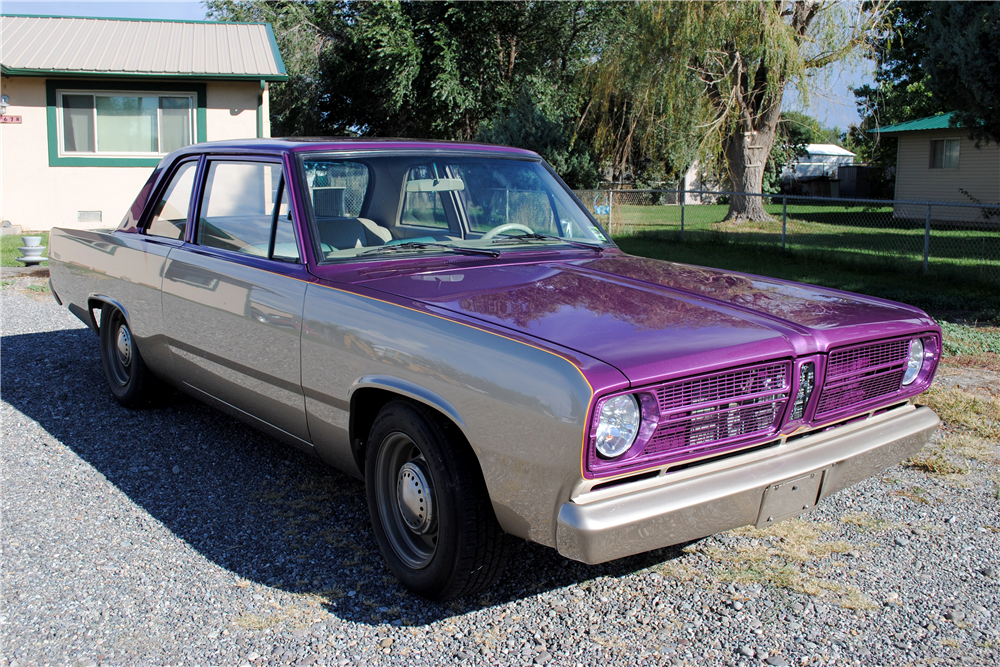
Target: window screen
(171, 213)
(337, 189)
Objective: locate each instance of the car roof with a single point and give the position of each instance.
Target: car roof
(304, 144)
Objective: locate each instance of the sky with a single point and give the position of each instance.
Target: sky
(831, 101)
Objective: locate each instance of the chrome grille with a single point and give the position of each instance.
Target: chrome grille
(859, 374)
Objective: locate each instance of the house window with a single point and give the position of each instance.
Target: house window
(127, 124)
(944, 153)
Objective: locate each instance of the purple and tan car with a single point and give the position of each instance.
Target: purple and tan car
(447, 322)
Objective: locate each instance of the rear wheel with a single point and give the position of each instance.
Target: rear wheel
(130, 381)
(429, 507)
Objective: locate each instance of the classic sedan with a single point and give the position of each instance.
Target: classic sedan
(449, 323)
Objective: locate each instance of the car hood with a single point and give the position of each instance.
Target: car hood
(652, 319)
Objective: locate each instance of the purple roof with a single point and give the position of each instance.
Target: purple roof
(301, 144)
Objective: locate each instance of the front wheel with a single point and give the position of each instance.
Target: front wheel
(429, 507)
(130, 381)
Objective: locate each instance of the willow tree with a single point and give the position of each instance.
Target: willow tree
(725, 65)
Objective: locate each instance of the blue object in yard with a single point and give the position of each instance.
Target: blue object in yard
(604, 209)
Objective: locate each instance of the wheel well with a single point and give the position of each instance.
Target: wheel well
(95, 319)
(367, 402)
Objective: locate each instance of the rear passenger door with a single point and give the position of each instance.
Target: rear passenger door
(233, 295)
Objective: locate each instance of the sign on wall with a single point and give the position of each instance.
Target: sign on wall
(14, 120)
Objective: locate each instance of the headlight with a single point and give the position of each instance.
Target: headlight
(915, 362)
(618, 426)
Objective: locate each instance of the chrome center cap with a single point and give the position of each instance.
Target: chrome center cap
(124, 345)
(413, 496)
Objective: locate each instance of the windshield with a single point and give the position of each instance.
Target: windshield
(375, 207)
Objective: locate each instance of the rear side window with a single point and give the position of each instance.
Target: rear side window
(171, 212)
(244, 210)
(423, 208)
(337, 188)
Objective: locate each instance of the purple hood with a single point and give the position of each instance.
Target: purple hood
(652, 319)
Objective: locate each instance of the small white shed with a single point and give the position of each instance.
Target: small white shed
(816, 172)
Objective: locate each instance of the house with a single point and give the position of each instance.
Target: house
(816, 173)
(937, 162)
(91, 105)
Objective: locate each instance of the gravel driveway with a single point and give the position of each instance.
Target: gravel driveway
(179, 536)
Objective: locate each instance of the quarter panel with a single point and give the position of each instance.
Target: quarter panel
(523, 409)
(126, 268)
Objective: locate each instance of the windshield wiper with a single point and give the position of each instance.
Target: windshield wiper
(535, 236)
(420, 245)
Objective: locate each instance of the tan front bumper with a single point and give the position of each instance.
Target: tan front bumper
(702, 505)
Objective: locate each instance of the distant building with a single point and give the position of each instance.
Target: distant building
(816, 173)
(91, 105)
(936, 162)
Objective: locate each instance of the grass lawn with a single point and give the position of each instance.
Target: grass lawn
(951, 295)
(9, 248)
(857, 233)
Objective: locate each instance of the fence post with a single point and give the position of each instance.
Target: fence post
(784, 220)
(611, 209)
(927, 237)
(683, 197)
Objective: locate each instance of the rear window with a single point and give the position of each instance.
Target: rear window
(337, 189)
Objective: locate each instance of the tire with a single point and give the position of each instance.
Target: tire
(131, 382)
(429, 507)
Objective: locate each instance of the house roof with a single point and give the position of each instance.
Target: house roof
(939, 122)
(77, 46)
(827, 149)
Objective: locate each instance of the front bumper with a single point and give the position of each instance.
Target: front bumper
(700, 505)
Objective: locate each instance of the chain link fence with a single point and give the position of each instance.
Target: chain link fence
(932, 237)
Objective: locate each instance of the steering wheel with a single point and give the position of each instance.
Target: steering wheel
(506, 228)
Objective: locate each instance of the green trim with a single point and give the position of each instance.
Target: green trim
(51, 117)
(260, 111)
(274, 49)
(16, 71)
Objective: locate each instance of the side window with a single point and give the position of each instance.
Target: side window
(423, 209)
(171, 212)
(238, 207)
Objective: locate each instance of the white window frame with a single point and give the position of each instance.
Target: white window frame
(60, 123)
(944, 154)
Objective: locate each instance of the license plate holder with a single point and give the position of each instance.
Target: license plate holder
(791, 497)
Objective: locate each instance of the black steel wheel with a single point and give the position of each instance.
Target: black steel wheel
(428, 503)
(130, 381)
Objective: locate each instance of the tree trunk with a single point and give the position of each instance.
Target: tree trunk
(749, 146)
(746, 156)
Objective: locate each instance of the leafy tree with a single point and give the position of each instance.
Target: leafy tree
(545, 125)
(901, 91)
(499, 71)
(725, 64)
(962, 62)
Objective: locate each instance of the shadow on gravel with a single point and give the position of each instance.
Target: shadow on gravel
(246, 502)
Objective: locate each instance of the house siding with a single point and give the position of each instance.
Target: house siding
(38, 196)
(978, 173)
